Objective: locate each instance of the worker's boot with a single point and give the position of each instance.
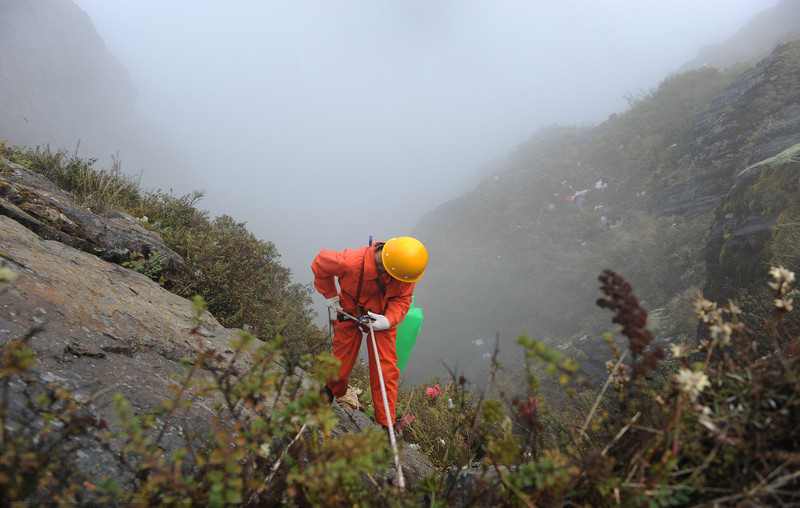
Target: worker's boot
(327, 394)
(386, 431)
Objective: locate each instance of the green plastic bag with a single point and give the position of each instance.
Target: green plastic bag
(407, 332)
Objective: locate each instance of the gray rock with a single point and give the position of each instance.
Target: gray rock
(415, 466)
(35, 202)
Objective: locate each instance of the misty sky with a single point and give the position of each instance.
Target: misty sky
(320, 123)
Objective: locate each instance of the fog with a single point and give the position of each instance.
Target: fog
(320, 123)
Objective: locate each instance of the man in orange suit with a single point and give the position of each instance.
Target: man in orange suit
(378, 282)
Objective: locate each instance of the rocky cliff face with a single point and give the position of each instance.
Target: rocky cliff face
(99, 328)
(749, 138)
(60, 83)
(755, 226)
(754, 118)
(742, 161)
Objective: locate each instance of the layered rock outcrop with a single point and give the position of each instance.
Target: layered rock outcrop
(35, 202)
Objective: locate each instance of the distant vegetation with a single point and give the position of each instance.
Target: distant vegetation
(513, 255)
(531, 251)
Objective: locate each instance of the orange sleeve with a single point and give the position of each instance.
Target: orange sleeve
(326, 266)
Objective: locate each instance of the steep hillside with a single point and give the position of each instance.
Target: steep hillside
(62, 87)
(753, 41)
(638, 194)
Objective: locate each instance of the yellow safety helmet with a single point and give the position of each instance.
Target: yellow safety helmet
(405, 258)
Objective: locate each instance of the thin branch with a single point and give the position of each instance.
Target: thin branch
(277, 465)
(619, 435)
(476, 421)
(710, 456)
(582, 433)
(520, 495)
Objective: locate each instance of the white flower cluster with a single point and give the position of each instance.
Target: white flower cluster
(720, 330)
(619, 376)
(783, 279)
(691, 382)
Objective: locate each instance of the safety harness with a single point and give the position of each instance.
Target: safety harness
(360, 311)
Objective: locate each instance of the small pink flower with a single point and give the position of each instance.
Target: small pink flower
(532, 404)
(434, 392)
(403, 421)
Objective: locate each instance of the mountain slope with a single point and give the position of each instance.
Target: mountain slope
(638, 194)
(753, 41)
(62, 87)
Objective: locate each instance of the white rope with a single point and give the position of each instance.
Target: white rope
(401, 483)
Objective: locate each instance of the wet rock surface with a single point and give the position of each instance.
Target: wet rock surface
(739, 169)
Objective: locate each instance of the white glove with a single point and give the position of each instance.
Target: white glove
(380, 322)
(333, 304)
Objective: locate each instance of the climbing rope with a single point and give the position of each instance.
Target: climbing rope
(390, 425)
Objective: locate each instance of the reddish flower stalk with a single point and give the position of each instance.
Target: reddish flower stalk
(633, 319)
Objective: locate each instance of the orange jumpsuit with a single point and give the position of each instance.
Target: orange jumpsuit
(392, 300)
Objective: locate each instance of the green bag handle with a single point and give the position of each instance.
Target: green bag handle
(407, 333)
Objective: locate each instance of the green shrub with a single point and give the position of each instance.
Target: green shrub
(238, 274)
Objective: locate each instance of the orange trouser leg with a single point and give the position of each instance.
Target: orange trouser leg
(384, 339)
(346, 343)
